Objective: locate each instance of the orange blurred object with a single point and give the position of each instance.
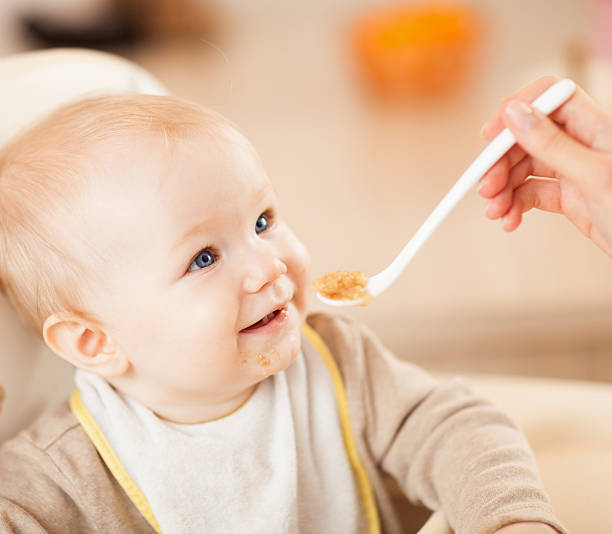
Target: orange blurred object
(416, 48)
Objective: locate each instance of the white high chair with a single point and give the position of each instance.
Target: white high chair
(568, 423)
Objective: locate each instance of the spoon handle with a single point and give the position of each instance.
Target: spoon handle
(547, 102)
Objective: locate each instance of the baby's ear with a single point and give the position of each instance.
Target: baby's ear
(84, 346)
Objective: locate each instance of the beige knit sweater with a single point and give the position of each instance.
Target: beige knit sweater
(446, 448)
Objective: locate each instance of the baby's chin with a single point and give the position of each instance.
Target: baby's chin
(277, 356)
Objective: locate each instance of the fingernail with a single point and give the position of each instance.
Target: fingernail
(482, 130)
(521, 115)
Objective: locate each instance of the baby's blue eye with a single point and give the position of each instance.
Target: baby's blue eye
(261, 224)
(205, 258)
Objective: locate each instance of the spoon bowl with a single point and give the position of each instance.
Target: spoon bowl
(547, 102)
(375, 286)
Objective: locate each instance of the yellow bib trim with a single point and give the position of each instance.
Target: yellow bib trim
(110, 458)
(365, 487)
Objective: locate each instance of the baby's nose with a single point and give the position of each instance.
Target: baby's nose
(262, 272)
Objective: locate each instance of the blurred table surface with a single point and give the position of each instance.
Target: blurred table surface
(356, 177)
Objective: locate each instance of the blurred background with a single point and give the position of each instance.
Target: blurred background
(365, 113)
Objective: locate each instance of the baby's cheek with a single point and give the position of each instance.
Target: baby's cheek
(291, 347)
(301, 275)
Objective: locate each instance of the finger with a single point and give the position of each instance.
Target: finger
(584, 120)
(580, 116)
(529, 93)
(534, 193)
(544, 140)
(501, 203)
(496, 178)
(541, 169)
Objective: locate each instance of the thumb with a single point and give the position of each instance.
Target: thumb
(544, 140)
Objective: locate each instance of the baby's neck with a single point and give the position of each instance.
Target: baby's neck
(185, 412)
(193, 415)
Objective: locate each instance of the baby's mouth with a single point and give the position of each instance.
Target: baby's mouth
(276, 314)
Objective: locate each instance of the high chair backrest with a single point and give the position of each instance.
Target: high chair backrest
(31, 85)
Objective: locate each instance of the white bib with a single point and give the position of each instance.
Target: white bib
(278, 464)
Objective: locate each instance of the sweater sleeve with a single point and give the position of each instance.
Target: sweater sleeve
(15, 520)
(35, 497)
(447, 448)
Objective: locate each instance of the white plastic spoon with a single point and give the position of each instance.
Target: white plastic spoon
(547, 102)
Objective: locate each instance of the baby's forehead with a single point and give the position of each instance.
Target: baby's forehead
(207, 163)
(95, 129)
(174, 184)
(129, 150)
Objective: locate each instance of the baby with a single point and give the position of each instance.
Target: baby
(141, 236)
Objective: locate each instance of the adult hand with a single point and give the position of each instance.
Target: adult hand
(571, 149)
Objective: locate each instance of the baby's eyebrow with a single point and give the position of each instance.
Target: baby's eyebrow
(193, 231)
(201, 226)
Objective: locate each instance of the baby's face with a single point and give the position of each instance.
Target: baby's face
(193, 253)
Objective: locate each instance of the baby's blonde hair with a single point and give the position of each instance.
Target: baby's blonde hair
(45, 170)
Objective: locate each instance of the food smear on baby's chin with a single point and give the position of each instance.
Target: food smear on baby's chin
(262, 360)
(343, 285)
